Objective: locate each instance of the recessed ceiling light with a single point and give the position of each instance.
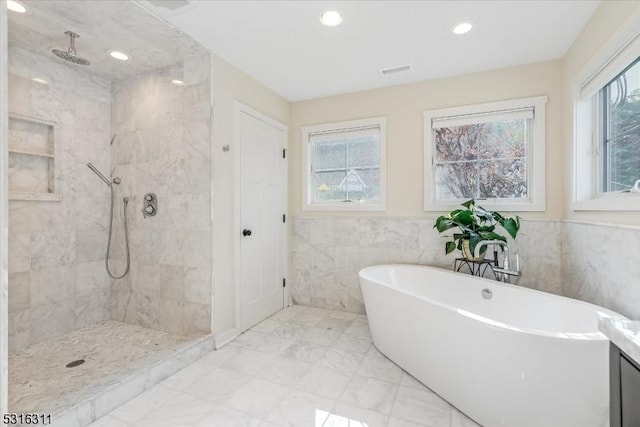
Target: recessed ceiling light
(15, 6)
(331, 18)
(462, 28)
(40, 80)
(177, 82)
(119, 55)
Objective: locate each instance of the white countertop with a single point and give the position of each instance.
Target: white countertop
(623, 333)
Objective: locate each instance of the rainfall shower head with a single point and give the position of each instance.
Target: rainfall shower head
(71, 55)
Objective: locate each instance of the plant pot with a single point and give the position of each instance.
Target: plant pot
(466, 251)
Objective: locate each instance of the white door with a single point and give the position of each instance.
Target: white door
(262, 227)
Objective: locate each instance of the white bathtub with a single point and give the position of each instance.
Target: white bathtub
(522, 358)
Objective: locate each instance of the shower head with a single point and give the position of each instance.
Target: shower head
(100, 175)
(71, 54)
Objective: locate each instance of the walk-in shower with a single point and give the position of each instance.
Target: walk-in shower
(125, 202)
(63, 305)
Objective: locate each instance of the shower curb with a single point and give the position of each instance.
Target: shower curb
(102, 403)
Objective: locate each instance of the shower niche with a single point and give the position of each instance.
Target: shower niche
(33, 162)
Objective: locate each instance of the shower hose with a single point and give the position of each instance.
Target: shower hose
(125, 201)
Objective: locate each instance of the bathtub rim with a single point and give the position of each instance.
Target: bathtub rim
(601, 312)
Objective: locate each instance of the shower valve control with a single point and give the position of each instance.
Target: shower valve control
(150, 205)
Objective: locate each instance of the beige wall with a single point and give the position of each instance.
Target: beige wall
(404, 106)
(327, 252)
(607, 18)
(231, 85)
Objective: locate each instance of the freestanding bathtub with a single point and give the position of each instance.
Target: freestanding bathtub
(515, 358)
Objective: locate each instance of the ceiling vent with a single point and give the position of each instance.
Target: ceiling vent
(170, 5)
(395, 70)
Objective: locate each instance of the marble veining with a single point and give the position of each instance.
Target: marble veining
(589, 262)
(623, 333)
(327, 253)
(266, 379)
(162, 146)
(120, 360)
(42, 30)
(598, 265)
(56, 265)
(57, 248)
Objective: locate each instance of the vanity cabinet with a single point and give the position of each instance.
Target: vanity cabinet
(624, 389)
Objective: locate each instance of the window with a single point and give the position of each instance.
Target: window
(486, 152)
(606, 126)
(345, 164)
(619, 135)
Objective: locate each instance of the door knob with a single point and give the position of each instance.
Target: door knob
(246, 232)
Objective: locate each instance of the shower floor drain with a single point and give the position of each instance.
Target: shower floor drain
(74, 363)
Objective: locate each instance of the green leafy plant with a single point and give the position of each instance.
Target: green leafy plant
(475, 223)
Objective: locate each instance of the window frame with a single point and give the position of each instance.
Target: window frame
(614, 57)
(308, 204)
(536, 171)
(603, 136)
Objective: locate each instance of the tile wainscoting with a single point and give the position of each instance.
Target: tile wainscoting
(587, 261)
(327, 253)
(598, 265)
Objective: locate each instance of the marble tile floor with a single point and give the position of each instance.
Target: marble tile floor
(39, 381)
(302, 367)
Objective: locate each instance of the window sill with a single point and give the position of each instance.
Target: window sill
(610, 202)
(494, 205)
(345, 207)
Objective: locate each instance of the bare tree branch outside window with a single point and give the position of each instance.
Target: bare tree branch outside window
(620, 144)
(485, 160)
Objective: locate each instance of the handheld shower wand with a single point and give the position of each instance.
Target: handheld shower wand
(126, 232)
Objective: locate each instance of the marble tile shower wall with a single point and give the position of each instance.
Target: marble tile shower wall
(327, 253)
(599, 265)
(163, 147)
(57, 281)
